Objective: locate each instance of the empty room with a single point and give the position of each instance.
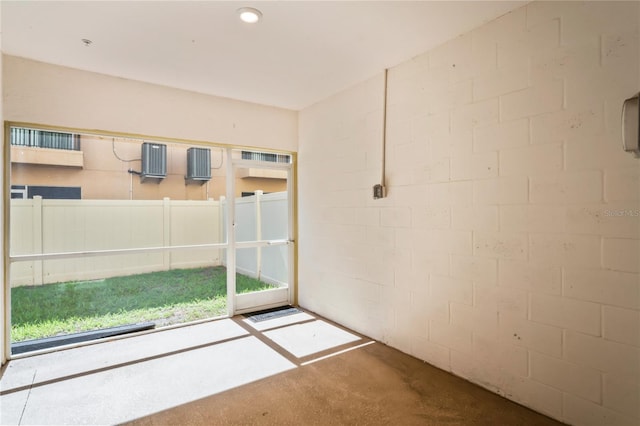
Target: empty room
(320, 212)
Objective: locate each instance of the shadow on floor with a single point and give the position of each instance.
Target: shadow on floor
(298, 369)
(370, 385)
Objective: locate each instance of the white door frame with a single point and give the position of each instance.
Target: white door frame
(241, 303)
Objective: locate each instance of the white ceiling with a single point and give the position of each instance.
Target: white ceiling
(301, 51)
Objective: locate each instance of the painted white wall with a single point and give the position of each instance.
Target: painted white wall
(36, 92)
(508, 249)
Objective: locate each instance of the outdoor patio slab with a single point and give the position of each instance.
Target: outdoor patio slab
(65, 363)
(224, 383)
(310, 338)
(370, 385)
(120, 394)
(11, 406)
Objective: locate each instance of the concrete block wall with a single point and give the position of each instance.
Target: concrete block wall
(3, 355)
(508, 248)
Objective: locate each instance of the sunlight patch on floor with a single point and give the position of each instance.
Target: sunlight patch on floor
(124, 379)
(117, 395)
(310, 338)
(64, 363)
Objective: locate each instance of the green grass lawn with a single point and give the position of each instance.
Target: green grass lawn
(167, 297)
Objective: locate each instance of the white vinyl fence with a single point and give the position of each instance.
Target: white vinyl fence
(53, 226)
(263, 217)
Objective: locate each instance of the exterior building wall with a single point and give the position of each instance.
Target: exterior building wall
(104, 173)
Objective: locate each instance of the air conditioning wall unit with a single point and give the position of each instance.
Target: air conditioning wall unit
(154, 162)
(198, 165)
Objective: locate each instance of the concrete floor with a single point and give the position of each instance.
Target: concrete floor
(299, 369)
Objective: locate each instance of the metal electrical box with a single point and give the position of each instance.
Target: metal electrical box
(154, 162)
(198, 165)
(631, 125)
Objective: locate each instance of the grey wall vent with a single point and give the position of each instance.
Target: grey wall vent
(154, 162)
(198, 165)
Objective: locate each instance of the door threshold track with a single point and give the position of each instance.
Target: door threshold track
(273, 313)
(67, 339)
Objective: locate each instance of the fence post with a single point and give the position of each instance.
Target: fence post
(37, 239)
(259, 233)
(222, 230)
(166, 232)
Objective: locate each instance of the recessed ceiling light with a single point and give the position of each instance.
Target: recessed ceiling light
(249, 15)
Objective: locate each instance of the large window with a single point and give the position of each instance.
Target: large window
(266, 156)
(46, 192)
(44, 139)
